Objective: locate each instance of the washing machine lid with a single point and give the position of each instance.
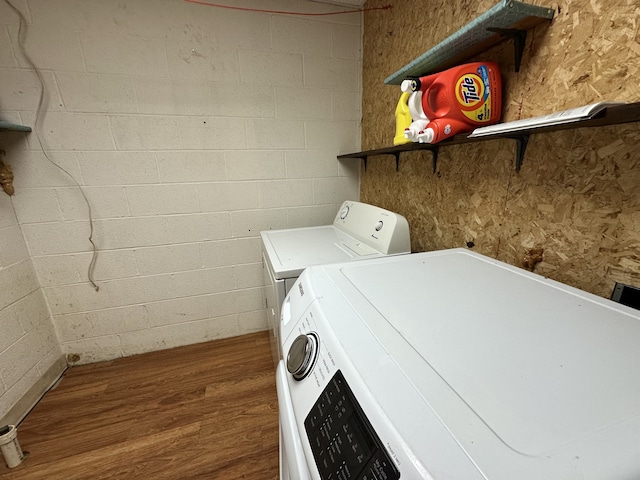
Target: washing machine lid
(534, 379)
(292, 250)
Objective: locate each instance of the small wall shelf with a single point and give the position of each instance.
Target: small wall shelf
(12, 127)
(508, 19)
(626, 113)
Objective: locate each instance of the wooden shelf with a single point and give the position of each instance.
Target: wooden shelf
(12, 127)
(614, 115)
(508, 19)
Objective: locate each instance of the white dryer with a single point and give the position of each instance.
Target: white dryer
(452, 365)
(358, 231)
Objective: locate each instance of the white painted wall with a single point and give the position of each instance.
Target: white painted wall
(29, 350)
(191, 128)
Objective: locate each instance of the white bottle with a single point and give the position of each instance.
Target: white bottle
(418, 116)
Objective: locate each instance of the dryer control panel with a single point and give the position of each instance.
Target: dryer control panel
(343, 442)
(386, 232)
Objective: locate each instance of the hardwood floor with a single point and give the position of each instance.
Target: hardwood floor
(205, 411)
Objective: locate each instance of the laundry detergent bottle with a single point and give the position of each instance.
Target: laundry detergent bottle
(458, 100)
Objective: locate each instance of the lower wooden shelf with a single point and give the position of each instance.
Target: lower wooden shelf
(618, 114)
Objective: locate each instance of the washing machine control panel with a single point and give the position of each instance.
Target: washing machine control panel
(342, 440)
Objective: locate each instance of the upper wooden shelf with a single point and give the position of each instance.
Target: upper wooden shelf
(12, 127)
(625, 113)
(508, 19)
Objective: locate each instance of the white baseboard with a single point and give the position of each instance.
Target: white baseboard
(35, 393)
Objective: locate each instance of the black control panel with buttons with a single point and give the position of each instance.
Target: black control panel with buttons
(343, 442)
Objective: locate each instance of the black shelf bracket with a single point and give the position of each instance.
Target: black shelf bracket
(434, 153)
(521, 147)
(397, 155)
(519, 38)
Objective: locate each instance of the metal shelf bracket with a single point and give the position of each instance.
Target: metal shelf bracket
(397, 155)
(521, 147)
(519, 38)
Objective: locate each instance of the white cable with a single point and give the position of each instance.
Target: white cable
(22, 32)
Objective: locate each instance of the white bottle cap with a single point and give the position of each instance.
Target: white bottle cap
(405, 86)
(426, 136)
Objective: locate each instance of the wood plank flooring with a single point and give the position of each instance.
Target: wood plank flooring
(205, 411)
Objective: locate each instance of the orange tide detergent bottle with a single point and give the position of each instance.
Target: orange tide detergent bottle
(457, 100)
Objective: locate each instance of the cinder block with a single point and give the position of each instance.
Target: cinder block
(227, 303)
(321, 134)
(11, 327)
(118, 168)
(105, 202)
(131, 232)
(168, 258)
(201, 282)
(250, 322)
(311, 164)
(255, 165)
(249, 223)
(238, 100)
(34, 205)
(91, 350)
(16, 282)
(13, 249)
(19, 88)
(210, 133)
(198, 227)
(230, 252)
(346, 41)
(83, 92)
(191, 166)
(275, 134)
(346, 106)
(334, 190)
(298, 35)
(80, 297)
(57, 238)
(124, 54)
(299, 103)
(270, 68)
(53, 47)
(309, 216)
(177, 310)
(171, 96)
(33, 169)
(285, 193)
(333, 73)
(228, 196)
(162, 199)
(248, 275)
(76, 131)
(100, 323)
(143, 132)
(195, 52)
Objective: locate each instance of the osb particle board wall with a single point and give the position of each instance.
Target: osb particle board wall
(577, 196)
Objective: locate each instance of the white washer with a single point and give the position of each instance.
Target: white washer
(452, 365)
(358, 231)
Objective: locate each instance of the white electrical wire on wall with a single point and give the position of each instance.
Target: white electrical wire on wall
(40, 113)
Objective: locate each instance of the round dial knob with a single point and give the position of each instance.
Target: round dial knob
(302, 355)
(344, 212)
(379, 226)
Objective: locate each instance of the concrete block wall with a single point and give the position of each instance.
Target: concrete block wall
(30, 355)
(191, 129)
